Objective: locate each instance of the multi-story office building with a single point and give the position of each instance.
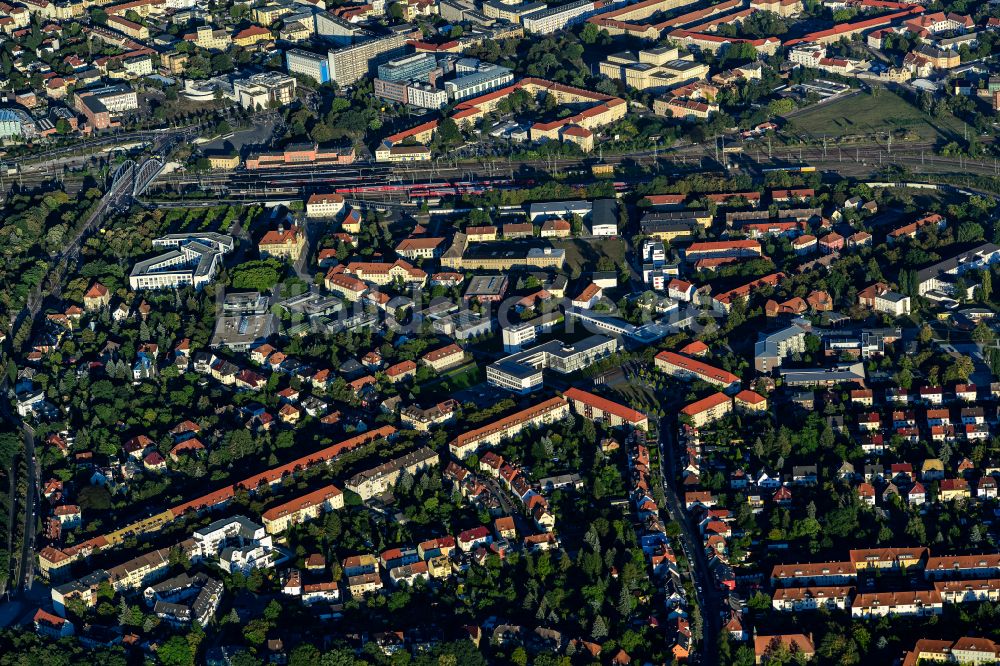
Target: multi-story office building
(415, 66)
(191, 259)
(308, 64)
(512, 12)
(351, 63)
(487, 77)
(658, 68)
(337, 31)
(100, 105)
(391, 90)
(522, 372)
(516, 336)
(425, 96)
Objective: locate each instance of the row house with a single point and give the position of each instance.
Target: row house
(896, 559)
(968, 591)
(966, 650)
(683, 367)
(549, 411)
(962, 566)
(795, 599)
(906, 603)
(821, 574)
(301, 509)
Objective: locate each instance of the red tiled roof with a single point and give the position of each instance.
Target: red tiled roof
(699, 406)
(621, 411)
(697, 367)
(325, 198)
(277, 473)
(507, 421)
(302, 502)
(443, 352)
(751, 397)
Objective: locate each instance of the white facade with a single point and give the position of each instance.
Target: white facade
(515, 337)
(192, 259)
(243, 533)
(522, 372)
(807, 55)
(551, 19)
(892, 303)
(262, 90)
(426, 96)
(606, 229)
(313, 65)
(488, 77)
(324, 205)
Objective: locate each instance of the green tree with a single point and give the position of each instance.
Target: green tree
(983, 334)
(176, 651)
(448, 134)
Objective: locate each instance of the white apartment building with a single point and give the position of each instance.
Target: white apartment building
(209, 541)
(549, 20)
(246, 558)
(375, 481)
(775, 347)
(892, 303)
(654, 252)
(138, 66)
(794, 599)
(807, 55)
(262, 90)
(313, 65)
(209, 38)
(426, 96)
(324, 205)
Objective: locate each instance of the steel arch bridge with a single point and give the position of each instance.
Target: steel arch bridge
(131, 179)
(125, 171)
(145, 173)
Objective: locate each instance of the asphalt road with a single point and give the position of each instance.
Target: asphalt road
(709, 598)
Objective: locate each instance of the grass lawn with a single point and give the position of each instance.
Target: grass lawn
(461, 378)
(860, 117)
(637, 396)
(583, 255)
